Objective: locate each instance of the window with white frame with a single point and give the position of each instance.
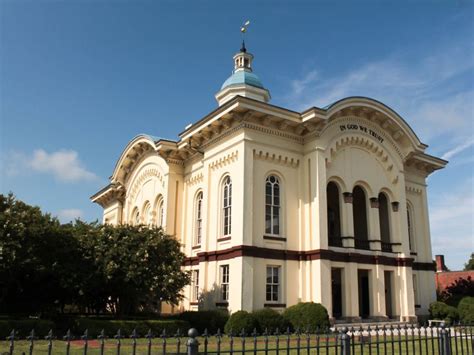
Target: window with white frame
(135, 217)
(272, 205)
(147, 216)
(411, 241)
(198, 221)
(227, 206)
(224, 278)
(273, 284)
(415, 290)
(160, 212)
(195, 286)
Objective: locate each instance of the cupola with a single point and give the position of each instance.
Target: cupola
(243, 81)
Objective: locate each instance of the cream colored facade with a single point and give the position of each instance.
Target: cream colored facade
(358, 148)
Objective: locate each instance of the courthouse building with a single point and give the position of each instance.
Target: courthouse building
(273, 207)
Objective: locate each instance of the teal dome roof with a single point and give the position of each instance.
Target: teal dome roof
(243, 77)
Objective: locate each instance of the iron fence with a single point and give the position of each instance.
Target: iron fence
(378, 340)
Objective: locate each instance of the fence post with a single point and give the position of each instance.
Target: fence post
(345, 342)
(444, 340)
(192, 343)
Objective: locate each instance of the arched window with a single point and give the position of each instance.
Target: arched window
(227, 206)
(147, 213)
(411, 233)
(384, 220)
(198, 219)
(272, 205)
(334, 214)
(135, 217)
(359, 212)
(160, 212)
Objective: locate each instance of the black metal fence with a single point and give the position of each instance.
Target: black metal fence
(399, 339)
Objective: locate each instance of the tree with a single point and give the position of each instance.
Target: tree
(138, 266)
(46, 266)
(459, 289)
(470, 263)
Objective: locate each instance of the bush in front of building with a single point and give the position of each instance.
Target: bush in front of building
(466, 310)
(240, 321)
(202, 320)
(111, 326)
(268, 319)
(307, 316)
(23, 327)
(442, 311)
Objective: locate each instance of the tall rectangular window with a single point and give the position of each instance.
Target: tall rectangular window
(227, 206)
(224, 276)
(198, 226)
(272, 205)
(273, 284)
(415, 290)
(195, 285)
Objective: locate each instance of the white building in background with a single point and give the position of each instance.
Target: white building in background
(273, 207)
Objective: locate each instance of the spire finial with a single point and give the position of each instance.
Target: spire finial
(243, 49)
(243, 30)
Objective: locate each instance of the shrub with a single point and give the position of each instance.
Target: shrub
(110, 327)
(270, 320)
(23, 327)
(240, 320)
(440, 310)
(210, 320)
(466, 310)
(307, 315)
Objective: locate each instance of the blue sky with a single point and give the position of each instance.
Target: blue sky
(79, 79)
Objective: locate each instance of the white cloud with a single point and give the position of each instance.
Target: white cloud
(433, 93)
(64, 165)
(458, 149)
(452, 224)
(68, 215)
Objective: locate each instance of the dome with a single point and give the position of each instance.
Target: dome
(243, 77)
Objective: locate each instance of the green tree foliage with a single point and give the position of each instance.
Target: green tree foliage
(45, 266)
(307, 316)
(462, 287)
(470, 264)
(466, 310)
(442, 311)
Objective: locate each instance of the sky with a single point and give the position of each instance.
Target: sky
(80, 78)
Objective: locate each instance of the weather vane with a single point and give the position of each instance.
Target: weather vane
(243, 30)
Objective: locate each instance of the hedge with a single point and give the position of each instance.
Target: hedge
(202, 320)
(240, 320)
(270, 320)
(440, 310)
(110, 327)
(307, 316)
(466, 310)
(23, 327)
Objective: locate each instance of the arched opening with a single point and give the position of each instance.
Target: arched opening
(359, 212)
(160, 211)
(272, 205)
(147, 213)
(334, 215)
(135, 220)
(384, 221)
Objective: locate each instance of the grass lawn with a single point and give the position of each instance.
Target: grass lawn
(326, 346)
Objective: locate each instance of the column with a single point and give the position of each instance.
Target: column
(378, 292)
(347, 221)
(374, 224)
(351, 292)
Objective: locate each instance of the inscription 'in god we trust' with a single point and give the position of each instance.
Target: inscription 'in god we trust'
(364, 129)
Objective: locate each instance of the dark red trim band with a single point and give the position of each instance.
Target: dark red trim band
(323, 254)
(269, 237)
(424, 266)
